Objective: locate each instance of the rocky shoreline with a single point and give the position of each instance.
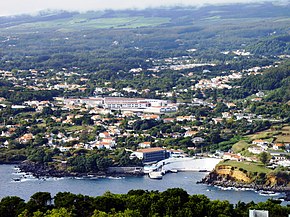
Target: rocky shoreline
(214, 179)
(39, 170)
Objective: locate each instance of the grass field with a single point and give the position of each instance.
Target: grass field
(249, 166)
(262, 135)
(283, 135)
(83, 23)
(78, 128)
(275, 135)
(240, 146)
(283, 139)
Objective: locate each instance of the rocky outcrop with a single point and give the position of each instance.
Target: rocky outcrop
(227, 176)
(232, 174)
(41, 170)
(128, 171)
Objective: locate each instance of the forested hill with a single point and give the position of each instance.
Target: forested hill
(276, 80)
(99, 40)
(172, 202)
(175, 16)
(272, 45)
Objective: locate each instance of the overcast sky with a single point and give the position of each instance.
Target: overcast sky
(12, 7)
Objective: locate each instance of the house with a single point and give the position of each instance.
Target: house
(190, 133)
(148, 117)
(226, 115)
(218, 154)
(5, 144)
(259, 142)
(150, 154)
(248, 117)
(284, 163)
(64, 149)
(278, 146)
(127, 113)
(231, 105)
(96, 117)
(26, 138)
(18, 107)
(104, 135)
(256, 150)
(161, 109)
(168, 120)
(78, 146)
(99, 146)
(144, 145)
(197, 140)
(280, 157)
(114, 131)
(5, 134)
(184, 118)
(256, 99)
(176, 153)
(107, 145)
(230, 156)
(109, 140)
(69, 119)
(217, 120)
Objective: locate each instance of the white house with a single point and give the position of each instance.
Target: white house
(256, 150)
(190, 133)
(278, 146)
(230, 156)
(144, 144)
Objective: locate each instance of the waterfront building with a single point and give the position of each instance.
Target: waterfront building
(150, 154)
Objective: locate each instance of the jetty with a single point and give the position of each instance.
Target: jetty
(188, 164)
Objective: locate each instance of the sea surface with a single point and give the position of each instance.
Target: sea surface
(120, 185)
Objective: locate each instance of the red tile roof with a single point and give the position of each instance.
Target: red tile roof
(148, 150)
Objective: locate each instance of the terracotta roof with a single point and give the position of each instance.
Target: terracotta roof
(191, 132)
(258, 140)
(279, 145)
(148, 150)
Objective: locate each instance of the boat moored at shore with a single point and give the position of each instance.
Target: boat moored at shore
(155, 175)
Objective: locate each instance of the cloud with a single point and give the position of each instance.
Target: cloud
(12, 7)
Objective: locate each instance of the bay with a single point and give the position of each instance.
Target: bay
(119, 185)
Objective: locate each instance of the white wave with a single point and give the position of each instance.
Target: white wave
(117, 178)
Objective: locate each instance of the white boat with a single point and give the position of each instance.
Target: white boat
(155, 175)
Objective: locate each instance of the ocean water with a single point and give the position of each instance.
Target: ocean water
(120, 185)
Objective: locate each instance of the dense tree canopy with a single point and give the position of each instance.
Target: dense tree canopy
(172, 202)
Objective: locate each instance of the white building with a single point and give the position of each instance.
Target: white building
(161, 109)
(256, 150)
(144, 145)
(258, 213)
(121, 102)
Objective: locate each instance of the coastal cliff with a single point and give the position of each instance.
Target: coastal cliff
(226, 175)
(232, 176)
